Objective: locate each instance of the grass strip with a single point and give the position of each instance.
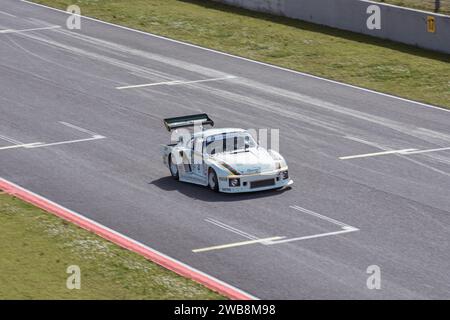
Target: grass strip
(37, 248)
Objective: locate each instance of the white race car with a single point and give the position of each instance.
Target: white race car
(227, 160)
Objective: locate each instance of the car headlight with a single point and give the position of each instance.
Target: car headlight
(234, 182)
(285, 175)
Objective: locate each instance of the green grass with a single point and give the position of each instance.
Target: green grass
(427, 5)
(344, 56)
(37, 247)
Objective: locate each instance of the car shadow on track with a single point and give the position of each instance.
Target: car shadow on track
(205, 194)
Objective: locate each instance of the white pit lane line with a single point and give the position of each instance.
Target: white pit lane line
(173, 83)
(17, 144)
(404, 152)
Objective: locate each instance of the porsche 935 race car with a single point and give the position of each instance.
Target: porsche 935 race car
(227, 160)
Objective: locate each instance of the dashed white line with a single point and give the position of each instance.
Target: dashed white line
(172, 83)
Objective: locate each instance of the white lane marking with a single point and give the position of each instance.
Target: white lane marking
(320, 216)
(109, 230)
(405, 152)
(9, 139)
(375, 154)
(345, 228)
(18, 144)
(24, 145)
(175, 82)
(245, 59)
(232, 229)
(148, 85)
(42, 145)
(29, 30)
(426, 151)
(237, 244)
(67, 124)
(366, 142)
(7, 14)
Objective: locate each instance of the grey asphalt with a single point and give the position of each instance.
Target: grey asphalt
(400, 204)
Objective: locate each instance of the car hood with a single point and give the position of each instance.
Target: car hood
(255, 160)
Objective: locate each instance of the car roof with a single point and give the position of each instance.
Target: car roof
(213, 132)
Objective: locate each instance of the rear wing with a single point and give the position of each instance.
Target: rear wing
(188, 121)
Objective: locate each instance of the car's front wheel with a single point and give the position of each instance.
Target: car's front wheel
(173, 167)
(213, 182)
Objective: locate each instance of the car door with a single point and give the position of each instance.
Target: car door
(197, 158)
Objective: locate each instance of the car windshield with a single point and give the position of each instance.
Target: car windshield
(229, 142)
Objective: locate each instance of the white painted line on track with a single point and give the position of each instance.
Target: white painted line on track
(237, 244)
(7, 14)
(78, 128)
(244, 59)
(320, 235)
(252, 239)
(124, 241)
(320, 216)
(345, 228)
(43, 145)
(9, 139)
(24, 145)
(175, 82)
(28, 30)
(232, 229)
(404, 152)
(35, 145)
(18, 144)
(426, 151)
(375, 154)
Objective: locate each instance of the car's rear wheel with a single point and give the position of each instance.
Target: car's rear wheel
(213, 182)
(173, 167)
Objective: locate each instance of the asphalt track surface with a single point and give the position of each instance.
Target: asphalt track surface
(67, 133)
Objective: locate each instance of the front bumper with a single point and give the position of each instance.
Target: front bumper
(255, 182)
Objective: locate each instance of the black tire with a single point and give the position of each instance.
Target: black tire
(175, 174)
(213, 182)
